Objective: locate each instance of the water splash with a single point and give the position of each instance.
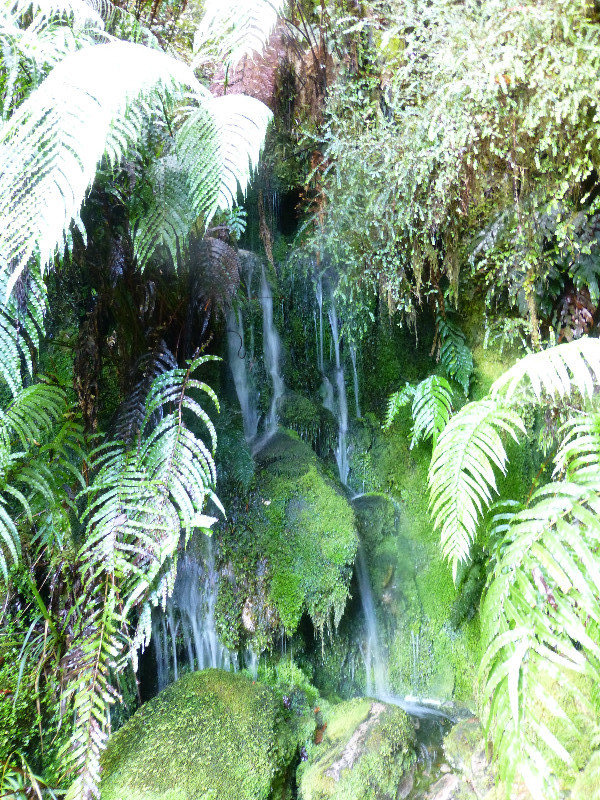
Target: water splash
(189, 618)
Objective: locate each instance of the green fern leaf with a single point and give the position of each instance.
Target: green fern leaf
(455, 355)
(579, 453)
(540, 616)
(461, 474)
(396, 401)
(84, 108)
(232, 29)
(554, 372)
(431, 409)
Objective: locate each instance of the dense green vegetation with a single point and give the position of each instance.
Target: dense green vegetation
(424, 233)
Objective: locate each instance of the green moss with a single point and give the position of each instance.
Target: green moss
(306, 528)
(365, 751)
(431, 649)
(211, 735)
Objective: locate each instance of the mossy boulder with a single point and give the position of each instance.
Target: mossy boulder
(212, 735)
(308, 532)
(366, 749)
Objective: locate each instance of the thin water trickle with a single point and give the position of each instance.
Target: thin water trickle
(271, 350)
(355, 380)
(341, 453)
(238, 363)
(319, 294)
(374, 662)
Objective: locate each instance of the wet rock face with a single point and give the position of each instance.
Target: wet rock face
(466, 752)
(212, 735)
(366, 752)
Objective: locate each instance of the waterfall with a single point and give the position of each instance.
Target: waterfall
(271, 350)
(252, 663)
(319, 293)
(238, 363)
(374, 662)
(341, 453)
(190, 611)
(355, 378)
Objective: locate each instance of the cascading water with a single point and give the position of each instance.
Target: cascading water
(271, 350)
(341, 453)
(190, 611)
(374, 662)
(238, 363)
(355, 379)
(319, 295)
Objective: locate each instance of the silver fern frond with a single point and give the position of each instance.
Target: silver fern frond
(232, 29)
(92, 103)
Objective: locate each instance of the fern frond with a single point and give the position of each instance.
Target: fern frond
(168, 218)
(21, 323)
(51, 146)
(197, 147)
(215, 268)
(86, 666)
(218, 145)
(140, 502)
(554, 372)
(461, 474)
(241, 124)
(132, 411)
(33, 414)
(232, 29)
(540, 621)
(431, 408)
(579, 453)
(396, 401)
(455, 355)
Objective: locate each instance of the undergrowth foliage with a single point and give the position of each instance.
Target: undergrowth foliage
(540, 613)
(143, 499)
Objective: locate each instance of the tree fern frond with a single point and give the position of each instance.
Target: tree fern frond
(579, 453)
(431, 408)
(241, 124)
(33, 413)
(215, 268)
(79, 13)
(197, 147)
(455, 355)
(403, 397)
(21, 323)
(461, 474)
(86, 665)
(540, 622)
(132, 411)
(50, 147)
(556, 372)
(232, 29)
(168, 218)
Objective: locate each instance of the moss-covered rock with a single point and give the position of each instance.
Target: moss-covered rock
(292, 549)
(212, 735)
(366, 748)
